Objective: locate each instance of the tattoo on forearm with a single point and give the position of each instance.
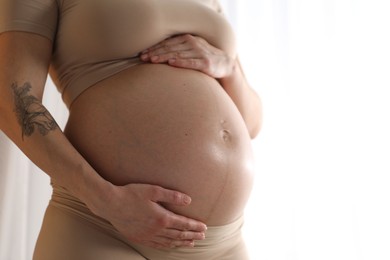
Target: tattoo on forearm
(30, 112)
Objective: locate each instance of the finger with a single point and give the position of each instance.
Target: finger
(175, 40)
(186, 224)
(167, 43)
(152, 244)
(182, 243)
(165, 57)
(163, 242)
(184, 235)
(169, 48)
(195, 64)
(173, 50)
(159, 194)
(171, 243)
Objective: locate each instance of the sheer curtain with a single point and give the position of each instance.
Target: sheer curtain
(323, 156)
(322, 68)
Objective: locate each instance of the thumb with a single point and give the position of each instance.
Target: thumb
(159, 194)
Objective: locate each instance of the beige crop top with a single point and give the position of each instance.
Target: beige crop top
(94, 39)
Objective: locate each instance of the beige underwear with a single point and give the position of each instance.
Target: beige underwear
(71, 231)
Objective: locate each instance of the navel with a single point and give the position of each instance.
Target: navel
(225, 135)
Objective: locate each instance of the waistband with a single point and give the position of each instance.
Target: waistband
(222, 242)
(215, 235)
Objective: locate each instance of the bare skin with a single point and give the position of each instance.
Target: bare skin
(195, 53)
(30, 113)
(153, 109)
(26, 58)
(183, 134)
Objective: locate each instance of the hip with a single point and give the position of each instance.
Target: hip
(84, 235)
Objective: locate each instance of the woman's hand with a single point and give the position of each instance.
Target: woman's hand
(134, 210)
(190, 52)
(193, 52)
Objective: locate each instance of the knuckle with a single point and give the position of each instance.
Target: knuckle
(155, 192)
(198, 44)
(195, 46)
(194, 63)
(188, 37)
(183, 235)
(188, 226)
(163, 221)
(201, 40)
(207, 62)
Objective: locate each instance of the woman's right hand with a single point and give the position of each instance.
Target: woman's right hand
(134, 210)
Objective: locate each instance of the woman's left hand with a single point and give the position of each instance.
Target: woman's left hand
(190, 52)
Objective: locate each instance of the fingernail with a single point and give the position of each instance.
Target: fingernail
(144, 56)
(154, 58)
(172, 60)
(187, 200)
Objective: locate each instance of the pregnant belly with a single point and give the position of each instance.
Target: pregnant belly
(170, 127)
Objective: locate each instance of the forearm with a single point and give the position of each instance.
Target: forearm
(245, 98)
(133, 209)
(30, 126)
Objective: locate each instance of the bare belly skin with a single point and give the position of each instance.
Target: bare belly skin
(171, 127)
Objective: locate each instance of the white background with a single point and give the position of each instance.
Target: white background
(323, 156)
(323, 71)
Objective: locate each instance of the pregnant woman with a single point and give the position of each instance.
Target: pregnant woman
(155, 161)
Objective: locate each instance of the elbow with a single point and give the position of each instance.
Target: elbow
(254, 130)
(255, 123)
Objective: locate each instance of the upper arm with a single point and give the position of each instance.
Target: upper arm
(27, 32)
(24, 57)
